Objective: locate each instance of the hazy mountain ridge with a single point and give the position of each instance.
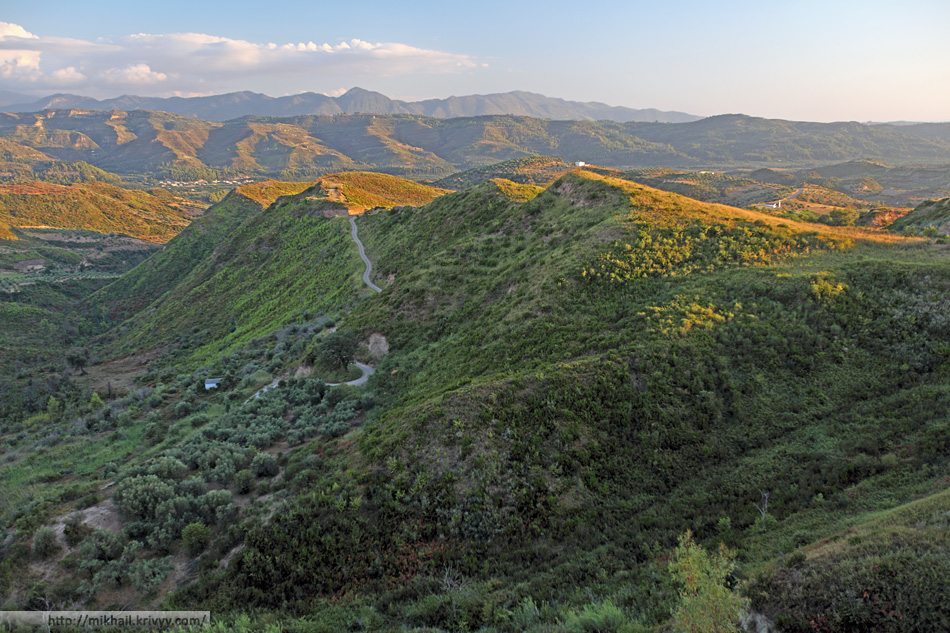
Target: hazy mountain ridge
(355, 101)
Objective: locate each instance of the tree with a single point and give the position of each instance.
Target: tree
(54, 408)
(244, 482)
(195, 537)
(338, 348)
(95, 402)
(264, 465)
(707, 604)
(77, 358)
(843, 217)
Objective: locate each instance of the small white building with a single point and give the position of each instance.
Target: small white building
(211, 383)
(580, 163)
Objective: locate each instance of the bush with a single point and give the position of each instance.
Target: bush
(44, 542)
(595, 618)
(147, 575)
(244, 481)
(182, 409)
(140, 496)
(195, 538)
(74, 531)
(707, 604)
(264, 465)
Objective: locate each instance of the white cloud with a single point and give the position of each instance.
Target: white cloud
(135, 74)
(16, 63)
(67, 76)
(200, 63)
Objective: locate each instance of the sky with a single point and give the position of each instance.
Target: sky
(810, 60)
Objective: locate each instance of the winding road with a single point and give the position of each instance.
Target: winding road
(367, 372)
(779, 202)
(366, 369)
(369, 264)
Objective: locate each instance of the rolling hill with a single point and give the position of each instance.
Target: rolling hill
(153, 216)
(163, 145)
(932, 216)
(215, 266)
(565, 384)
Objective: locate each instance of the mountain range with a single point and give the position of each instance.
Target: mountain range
(356, 101)
(160, 144)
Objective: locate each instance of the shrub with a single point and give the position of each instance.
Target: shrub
(147, 575)
(195, 538)
(74, 531)
(244, 481)
(168, 468)
(44, 542)
(707, 605)
(182, 409)
(595, 618)
(140, 496)
(264, 465)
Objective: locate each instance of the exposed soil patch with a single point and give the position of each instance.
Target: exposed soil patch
(117, 375)
(377, 346)
(227, 558)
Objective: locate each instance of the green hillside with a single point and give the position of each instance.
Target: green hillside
(565, 384)
(216, 267)
(166, 269)
(931, 217)
(532, 170)
(710, 186)
(519, 414)
(100, 207)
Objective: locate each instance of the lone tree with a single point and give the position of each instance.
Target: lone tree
(707, 604)
(78, 358)
(338, 349)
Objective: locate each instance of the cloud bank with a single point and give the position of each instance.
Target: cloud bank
(197, 63)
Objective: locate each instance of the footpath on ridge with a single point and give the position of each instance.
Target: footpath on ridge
(366, 370)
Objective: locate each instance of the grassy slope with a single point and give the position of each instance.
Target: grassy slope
(309, 261)
(532, 170)
(141, 286)
(358, 191)
(550, 386)
(932, 214)
(193, 247)
(93, 206)
(572, 382)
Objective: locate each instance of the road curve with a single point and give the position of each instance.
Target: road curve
(369, 264)
(366, 369)
(367, 372)
(777, 202)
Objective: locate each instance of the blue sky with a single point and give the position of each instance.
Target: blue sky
(805, 60)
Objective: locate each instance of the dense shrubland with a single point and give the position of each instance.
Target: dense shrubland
(539, 438)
